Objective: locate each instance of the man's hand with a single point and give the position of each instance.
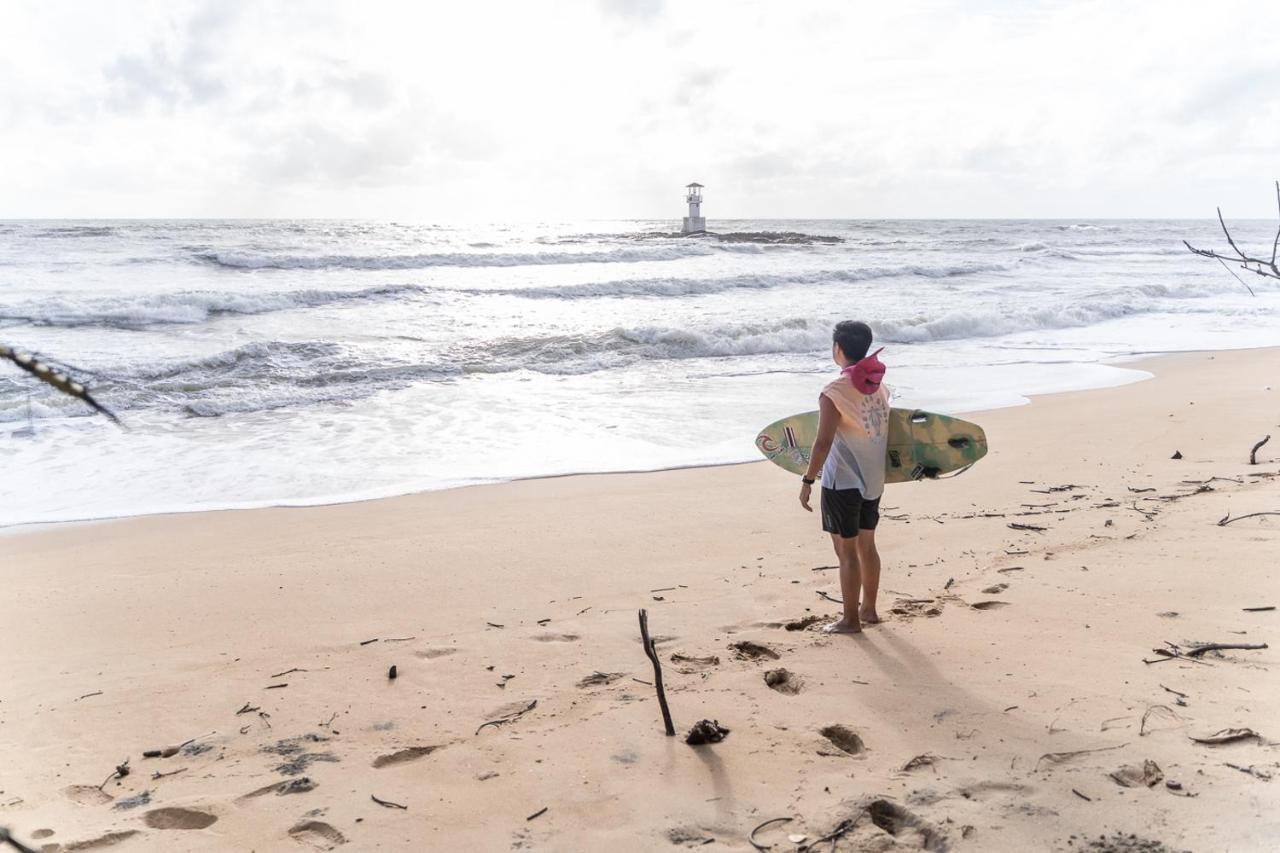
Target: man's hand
(805, 490)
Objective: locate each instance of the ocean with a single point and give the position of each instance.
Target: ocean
(302, 362)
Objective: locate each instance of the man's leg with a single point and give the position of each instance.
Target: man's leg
(869, 574)
(847, 554)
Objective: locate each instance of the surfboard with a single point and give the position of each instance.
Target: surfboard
(922, 445)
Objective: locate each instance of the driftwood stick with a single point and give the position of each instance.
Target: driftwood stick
(651, 650)
(1227, 519)
(1213, 647)
(502, 721)
(1253, 454)
(387, 804)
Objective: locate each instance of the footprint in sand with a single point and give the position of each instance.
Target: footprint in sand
(87, 795)
(599, 679)
(783, 681)
(747, 650)
(691, 664)
(906, 826)
(805, 621)
(412, 753)
(844, 739)
(989, 605)
(133, 802)
(557, 638)
(109, 839)
(995, 589)
(318, 834)
(178, 818)
(291, 786)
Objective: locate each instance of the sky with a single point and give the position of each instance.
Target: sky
(440, 110)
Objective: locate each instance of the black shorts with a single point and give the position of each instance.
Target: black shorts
(845, 512)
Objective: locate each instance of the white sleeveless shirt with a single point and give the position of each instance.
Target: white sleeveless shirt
(857, 457)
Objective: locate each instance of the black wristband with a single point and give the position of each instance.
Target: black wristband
(807, 481)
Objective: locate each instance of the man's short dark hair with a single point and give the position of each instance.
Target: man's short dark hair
(853, 338)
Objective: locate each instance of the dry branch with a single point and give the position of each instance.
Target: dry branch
(1253, 454)
(652, 652)
(1257, 266)
(1227, 519)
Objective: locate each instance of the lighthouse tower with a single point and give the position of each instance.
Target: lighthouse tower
(694, 223)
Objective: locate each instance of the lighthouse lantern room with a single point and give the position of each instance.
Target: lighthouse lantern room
(694, 223)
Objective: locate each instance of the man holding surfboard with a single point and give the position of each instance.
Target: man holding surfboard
(849, 453)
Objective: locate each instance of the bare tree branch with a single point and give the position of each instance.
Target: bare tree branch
(1257, 266)
(61, 381)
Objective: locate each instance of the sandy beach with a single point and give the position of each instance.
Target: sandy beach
(1015, 673)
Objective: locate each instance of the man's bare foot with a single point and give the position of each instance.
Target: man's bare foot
(868, 617)
(844, 626)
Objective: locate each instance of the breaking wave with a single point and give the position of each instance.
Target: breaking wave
(184, 307)
(246, 261)
(701, 286)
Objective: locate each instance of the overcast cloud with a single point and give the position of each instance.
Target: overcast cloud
(568, 109)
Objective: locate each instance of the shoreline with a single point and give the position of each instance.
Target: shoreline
(1129, 362)
(1002, 647)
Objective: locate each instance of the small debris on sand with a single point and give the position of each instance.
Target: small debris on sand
(706, 731)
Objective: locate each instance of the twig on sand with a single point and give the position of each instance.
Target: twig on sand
(121, 771)
(87, 695)
(1059, 757)
(751, 838)
(168, 751)
(842, 828)
(398, 639)
(539, 813)
(277, 686)
(1258, 609)
(1227, 519)
(288, 672)
(159, 775)
(1179, 694)
(1082, 796)
(1213, 647)
(1228, 736)
(387, 804)
(510, 717)
(652, 652)
(822, 594)
(1142, 727)
(1253, 454)
(1264, 775)
(1013, 525)
(367, 642)
(247, 709)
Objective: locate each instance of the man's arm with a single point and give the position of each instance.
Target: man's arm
(828, 419)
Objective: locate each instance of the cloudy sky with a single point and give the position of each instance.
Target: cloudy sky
(449, 109)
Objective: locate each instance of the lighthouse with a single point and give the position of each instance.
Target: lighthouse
(694, 223)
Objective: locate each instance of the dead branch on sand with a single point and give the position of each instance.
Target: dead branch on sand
(1253, 454)
(509, 718)
(1227, 519)
(651, 650)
